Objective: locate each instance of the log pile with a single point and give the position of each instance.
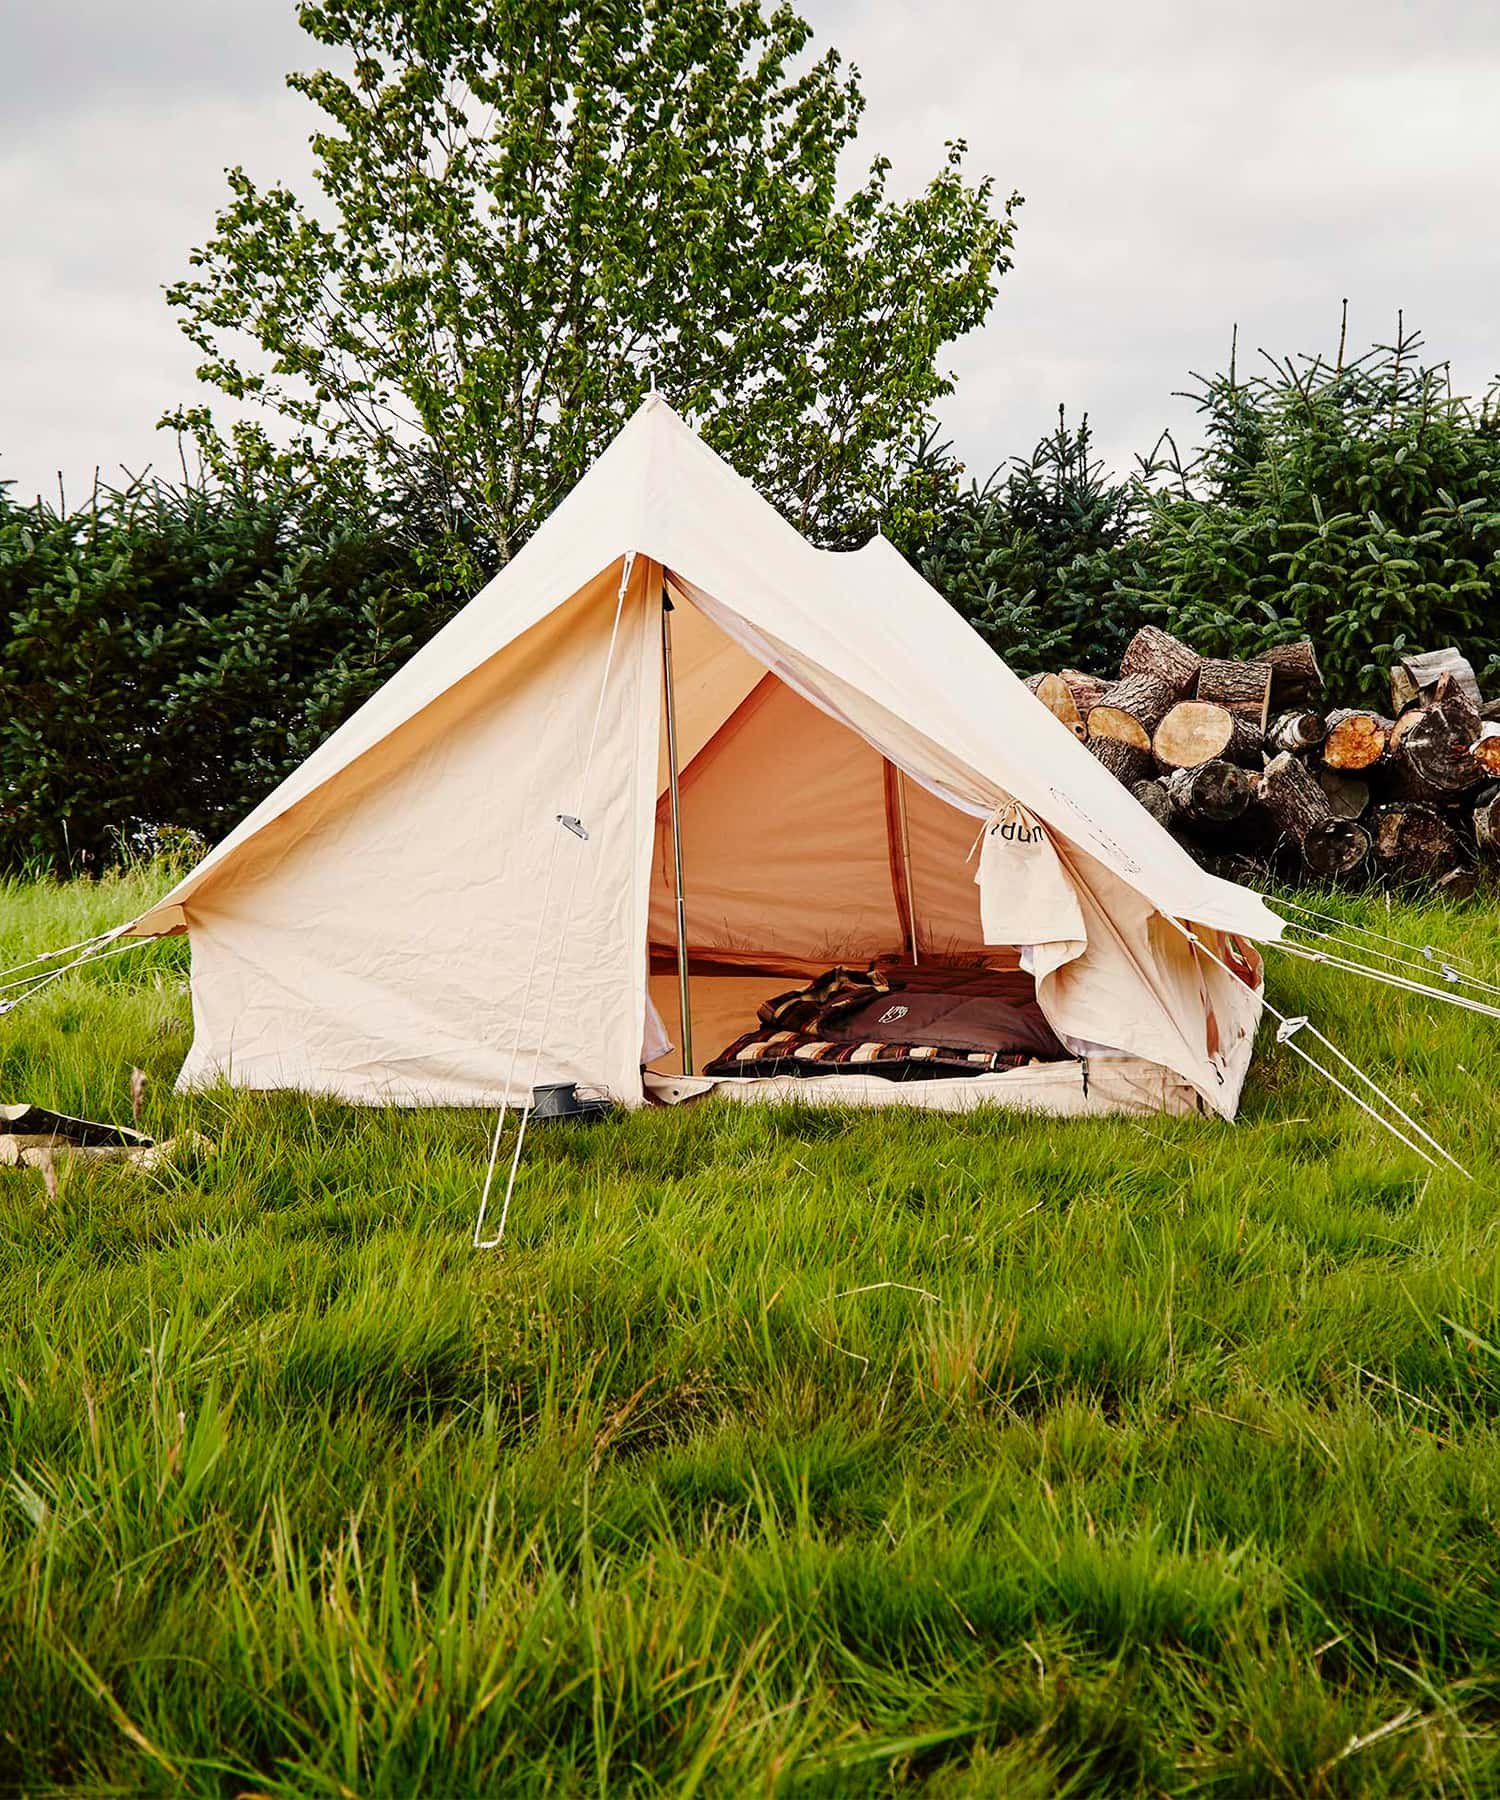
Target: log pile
(1244, 762)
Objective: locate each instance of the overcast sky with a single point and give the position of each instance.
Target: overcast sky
(1185, 163)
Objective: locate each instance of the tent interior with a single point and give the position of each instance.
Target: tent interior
(803, 848)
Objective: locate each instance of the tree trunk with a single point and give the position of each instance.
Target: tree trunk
(1414, 843)
(1356, 740)
(1055, 694)
(1242, 687)
(1152, 795)
(1348, 796)
(1213, 793)
(1126, 762)
(1131, 710)
(1155, 652)
(1087, 690)
(1295, 675)
(1193, 732)
(1430, 743)
(1297, 731)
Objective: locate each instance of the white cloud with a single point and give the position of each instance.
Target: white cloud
(1185, 166)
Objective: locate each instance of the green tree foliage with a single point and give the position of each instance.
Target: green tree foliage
(167, 654)
(1031, 556)
(527, 210)
(1356, 502)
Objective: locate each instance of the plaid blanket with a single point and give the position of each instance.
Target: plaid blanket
(945, 1022)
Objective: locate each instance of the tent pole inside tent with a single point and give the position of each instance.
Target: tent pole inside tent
(682, 955)
(911, 903)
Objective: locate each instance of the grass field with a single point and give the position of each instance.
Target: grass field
(810, 1453)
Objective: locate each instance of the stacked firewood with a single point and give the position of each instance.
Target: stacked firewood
(1243, 763)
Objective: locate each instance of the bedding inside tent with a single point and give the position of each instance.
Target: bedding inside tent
(807, 854)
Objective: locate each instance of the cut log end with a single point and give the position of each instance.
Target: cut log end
(1356, 740)
(1192, 732)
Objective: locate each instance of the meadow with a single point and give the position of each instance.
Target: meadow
(793, 1453)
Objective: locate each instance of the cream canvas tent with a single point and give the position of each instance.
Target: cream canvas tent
(471, 888)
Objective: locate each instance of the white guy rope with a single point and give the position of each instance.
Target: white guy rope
(66, 950)
(1429, 952)
(33, 984)
(1449, 974)
(1286, 1034)
(1289, 1027)
(1389, 978)
(480, 1241)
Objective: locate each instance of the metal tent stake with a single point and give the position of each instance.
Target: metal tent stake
(682, 955)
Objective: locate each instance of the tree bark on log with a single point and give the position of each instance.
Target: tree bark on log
(1290, 795)
(1430, 743)
(1487, 822)
(1242, 687)
(1348, 796)
(1418, 674)
(1131, 710)
(1414, 843)
(1457, 884)
(1336, 848)
(1295, 675)
(1213, 793)
(1126, 762)
(1356, 740)
(1297, 731)
(1152, 795)
(1057, 697)
(1087, 690)
(1486, 750)
(1329, 846)
(1155, 652)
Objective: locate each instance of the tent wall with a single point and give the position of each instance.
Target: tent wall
(376, 942)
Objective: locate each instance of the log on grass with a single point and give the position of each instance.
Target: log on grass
(1418, 674)
(1242, 687)
(1457, 884)
(1297, 731)
(1126, 762)
(1356, 739)
(1055, 694)
(1430, 743)
(1213, 793)
(1198, 731)
(1153, 796)
(1131, 710)
(1329, 846)
(1295, 675)
(1155, 652)
(1348, 796)
(1413, 842)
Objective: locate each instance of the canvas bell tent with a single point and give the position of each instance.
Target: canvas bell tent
(672, 751)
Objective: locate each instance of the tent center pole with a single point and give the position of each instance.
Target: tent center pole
(911, 904)
(682, 954)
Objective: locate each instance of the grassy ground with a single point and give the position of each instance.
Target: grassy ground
(809, 1453)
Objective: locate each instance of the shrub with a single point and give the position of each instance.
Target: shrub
(1353, 502)
(167, 654)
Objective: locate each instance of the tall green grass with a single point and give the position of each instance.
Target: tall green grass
(797, 1452)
